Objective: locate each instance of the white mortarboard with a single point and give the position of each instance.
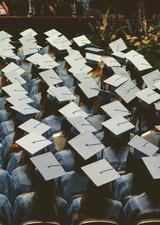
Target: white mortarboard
(127, 91)
(157, 127)
(93, 57)
(120, 71)
(61, 43)
(27, 39)
(48, 166)
(35, 126)
(81, 124)
(12, 67)
(46, 62)
(131, 55)
(118, 45)
(90, 88)
(143, 146)
(148, 95)
(80, 68)
(157, 105)
(25, 109)
(50, 77)
(115, 109)
(18, 99)
(116, 80)
(101, 172)
(153, 165)
(86, 144)
(4, 35)
(81, 40)
(61, 93)
(141, 63)
(30, 48)
(118, 125)
(35, 58)
(72, 110)
(29, 31)
(157, 85)
(8, 53)
(75, 57)
(151, 78)
(119, 55)
(14, 78)
(33, 142)
(14, 89)
(82, 77)
(110, 61)
(52, 32)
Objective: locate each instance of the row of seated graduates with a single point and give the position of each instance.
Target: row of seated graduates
(25, 195)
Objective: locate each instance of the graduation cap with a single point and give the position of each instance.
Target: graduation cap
(127, 91)
(93, 57)
(86, 144)
(50, 77)
(81, 124)
(148, 95)
(110, 61)
(118, 45)
(33, 142)
(29, 49)
(82, 77)
(153, 165)
(48, 166)
(116, 80)
(75, 58)
(81, 40)
(15, 89)
(151, 78)
(35, 58)
(72, 110)
(115, 108)
(34, 126)
(80, 68)
(132, 55)
(62, 94)
(13, 68)
(118, 125)
(60, 43)
(14, 78)
(143, 146)
(53, 32)
(4, 35)
(90, 88)
(19, 100)
(24, 109)
(101, 172)
(28, 31)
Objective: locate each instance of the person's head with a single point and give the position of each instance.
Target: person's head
(93, 203)
(44, 204)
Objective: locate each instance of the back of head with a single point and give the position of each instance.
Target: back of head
(44, 204)
(93, 202)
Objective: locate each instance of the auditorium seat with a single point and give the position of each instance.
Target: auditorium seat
(34, 222)
(98, 222)
(148, 219)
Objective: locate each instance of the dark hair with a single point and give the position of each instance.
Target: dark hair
(45, 205)
(93, 202)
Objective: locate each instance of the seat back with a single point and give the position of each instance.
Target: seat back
(98, 222)
(149, 222)
(34, 222)
(148, 219)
